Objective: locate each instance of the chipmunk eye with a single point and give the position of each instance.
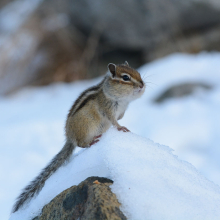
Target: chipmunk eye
(125, 77)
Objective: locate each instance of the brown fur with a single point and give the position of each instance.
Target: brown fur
(91, 115)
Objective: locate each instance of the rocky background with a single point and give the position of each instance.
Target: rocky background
(45, 41)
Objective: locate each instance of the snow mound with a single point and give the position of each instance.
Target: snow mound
(149, 181)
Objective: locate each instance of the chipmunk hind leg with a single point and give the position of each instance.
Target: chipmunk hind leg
(88, 127)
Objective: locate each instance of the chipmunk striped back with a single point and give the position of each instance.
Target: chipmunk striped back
(83, 97)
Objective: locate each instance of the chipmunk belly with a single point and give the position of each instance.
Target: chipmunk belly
(120, 108)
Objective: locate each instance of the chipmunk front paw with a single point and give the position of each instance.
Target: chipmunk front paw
(122, 128)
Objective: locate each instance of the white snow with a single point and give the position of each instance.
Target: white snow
(31, 130)
(149, 181)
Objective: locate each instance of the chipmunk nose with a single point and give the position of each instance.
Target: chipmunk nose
(142, 85)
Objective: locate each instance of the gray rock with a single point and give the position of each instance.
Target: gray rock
(181, 90)
(91, 199)
(145, 25)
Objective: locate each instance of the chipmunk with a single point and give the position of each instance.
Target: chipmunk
(96, 109)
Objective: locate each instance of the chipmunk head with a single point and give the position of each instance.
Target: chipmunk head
(124, 82)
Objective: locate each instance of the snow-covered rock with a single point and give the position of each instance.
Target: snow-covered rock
(149, 181)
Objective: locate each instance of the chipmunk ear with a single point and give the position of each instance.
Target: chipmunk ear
(112, 69)
(126, 63)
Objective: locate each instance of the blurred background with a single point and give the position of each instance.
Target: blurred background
(47, 47)
(45, 41)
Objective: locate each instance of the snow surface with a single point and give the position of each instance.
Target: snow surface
(149, 181)
(32, 122)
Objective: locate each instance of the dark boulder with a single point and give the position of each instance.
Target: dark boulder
(91, 199)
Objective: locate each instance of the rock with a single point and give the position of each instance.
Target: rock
(156, 28)
(91, 199)
(181, 90)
